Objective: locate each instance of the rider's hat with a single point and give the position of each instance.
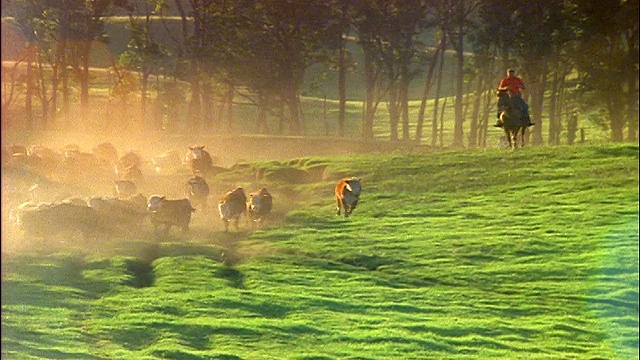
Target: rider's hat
(510, 71)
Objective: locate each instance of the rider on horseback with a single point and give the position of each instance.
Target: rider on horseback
(512, 84)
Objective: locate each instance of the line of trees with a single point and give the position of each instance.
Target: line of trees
(575, 55)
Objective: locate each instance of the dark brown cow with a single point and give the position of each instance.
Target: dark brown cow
(347, 193)
(197, 191)
(125, 188)
(106, 153)
(199, 160)
(231, 207)
(170, 213)
(128, 167)
(259, 205)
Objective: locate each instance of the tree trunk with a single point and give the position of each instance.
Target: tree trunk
(458, 132)
(632, 110)
(425, 93)
(342, 88)
(537, 100)
(434, 129)
(473, 129)
(28, 103)
(369, 101)
(394, 113)
(404, 105)
(554, 121)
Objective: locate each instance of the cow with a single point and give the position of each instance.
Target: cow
(46, 219)
(197, 191)
(106, 153)
(48, 160)
(125, 188)
(77, 165)
(199, 160)
(128, 167)
(170, 213)
(131, 173)
(231, 207)
(259, 205)
(347, 193)
(126, 215)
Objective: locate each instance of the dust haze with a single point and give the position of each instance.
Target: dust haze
(24, 182)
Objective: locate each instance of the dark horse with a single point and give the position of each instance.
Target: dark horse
(513, 118)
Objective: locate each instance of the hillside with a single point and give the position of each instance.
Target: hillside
(450, 255)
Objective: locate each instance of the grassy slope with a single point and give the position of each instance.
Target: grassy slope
(457, 255)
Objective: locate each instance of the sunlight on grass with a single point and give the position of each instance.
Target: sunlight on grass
(449, 255)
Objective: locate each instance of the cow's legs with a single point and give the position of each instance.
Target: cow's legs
(338, 205)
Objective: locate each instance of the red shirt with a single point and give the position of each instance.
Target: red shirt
(514, 84)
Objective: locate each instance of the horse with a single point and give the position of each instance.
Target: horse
(513, 118)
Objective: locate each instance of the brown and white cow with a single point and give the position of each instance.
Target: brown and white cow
(231, 207)
(259, 205)
(347, 193)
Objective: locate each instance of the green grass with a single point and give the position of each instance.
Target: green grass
(450, 255)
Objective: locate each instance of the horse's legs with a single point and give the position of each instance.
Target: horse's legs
(522, 130)
(509, 137)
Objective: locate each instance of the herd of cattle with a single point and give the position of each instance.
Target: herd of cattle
(127, 210)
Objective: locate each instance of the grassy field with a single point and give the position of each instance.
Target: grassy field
(485, 254)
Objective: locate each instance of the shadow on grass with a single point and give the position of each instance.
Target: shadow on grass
(197, 337)
(26, 348)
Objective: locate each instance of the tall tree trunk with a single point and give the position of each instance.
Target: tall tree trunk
(632, 109)
(434, 129)
(369, 101)
(477, 96)
(404, 104)
(425, 93)
(537, 86)
(28, 103)
(554, 121)
(444, 105)
(394, 112)
(43, 95)
(342, 88)
(293, 104)
(459, 117)
(83, 77)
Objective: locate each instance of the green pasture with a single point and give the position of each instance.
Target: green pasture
(477, 254)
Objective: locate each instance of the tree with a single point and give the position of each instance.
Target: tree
(388, 32)
(453, 18)
(267, 47)
(607, 56)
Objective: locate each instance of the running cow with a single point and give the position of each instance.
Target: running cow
(170, 213)
(259, 205)
(231, 207)
(199, 160)
(347, 194)
(197, 191)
